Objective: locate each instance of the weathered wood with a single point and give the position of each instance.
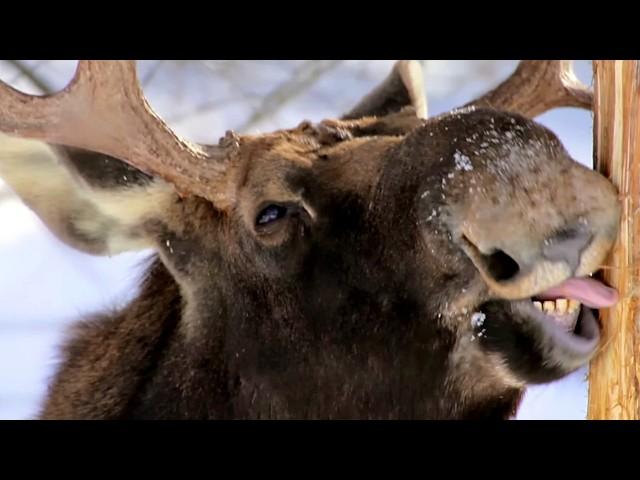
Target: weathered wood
(614, 377)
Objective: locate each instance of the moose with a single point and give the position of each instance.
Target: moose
(380, 265)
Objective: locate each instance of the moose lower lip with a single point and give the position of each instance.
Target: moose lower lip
(580, 343)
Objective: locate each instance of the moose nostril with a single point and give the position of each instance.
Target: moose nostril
(501, 266)
(567, 246)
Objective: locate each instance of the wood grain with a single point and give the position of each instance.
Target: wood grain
(614, 377)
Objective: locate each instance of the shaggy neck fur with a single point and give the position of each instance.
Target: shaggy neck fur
(138, 363)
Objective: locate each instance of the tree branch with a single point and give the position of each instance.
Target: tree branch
(30, 75)
(201, 109)
(303, 77)
(151, 73)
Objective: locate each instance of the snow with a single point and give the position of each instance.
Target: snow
(462, 162)
(477, 319)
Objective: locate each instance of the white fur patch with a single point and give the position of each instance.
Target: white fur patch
(34, 172)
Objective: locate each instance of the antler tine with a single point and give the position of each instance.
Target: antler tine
(403, 86)
(411, 73)
(537, 86)
(104, 109)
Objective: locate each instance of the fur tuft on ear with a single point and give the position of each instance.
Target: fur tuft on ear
(92, 202)
(404, 87)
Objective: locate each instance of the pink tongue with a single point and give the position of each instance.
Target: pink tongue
(588, 291)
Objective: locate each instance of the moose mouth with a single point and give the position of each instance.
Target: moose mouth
(561, 312)
(565, 314)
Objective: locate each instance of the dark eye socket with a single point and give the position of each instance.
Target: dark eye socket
(271, 214)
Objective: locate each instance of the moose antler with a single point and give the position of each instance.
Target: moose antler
(537, 86)
(103, 109)
(403, 86)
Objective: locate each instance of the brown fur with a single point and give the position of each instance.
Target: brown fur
(358, 303)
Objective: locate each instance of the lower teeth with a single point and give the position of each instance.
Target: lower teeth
(563, 311)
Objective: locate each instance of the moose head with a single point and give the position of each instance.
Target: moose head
(380, 265)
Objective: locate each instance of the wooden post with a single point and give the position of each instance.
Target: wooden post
(614, 376)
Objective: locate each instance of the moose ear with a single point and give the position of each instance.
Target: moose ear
(403, 87)
(92, 202)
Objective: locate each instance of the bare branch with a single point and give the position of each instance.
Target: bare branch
(151, 73)
(29, 74)
(302, 78)
(226, 71)
(201, 109)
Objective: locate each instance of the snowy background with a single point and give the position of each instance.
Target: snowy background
(45, 286)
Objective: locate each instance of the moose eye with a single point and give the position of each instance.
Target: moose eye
(270, 214)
